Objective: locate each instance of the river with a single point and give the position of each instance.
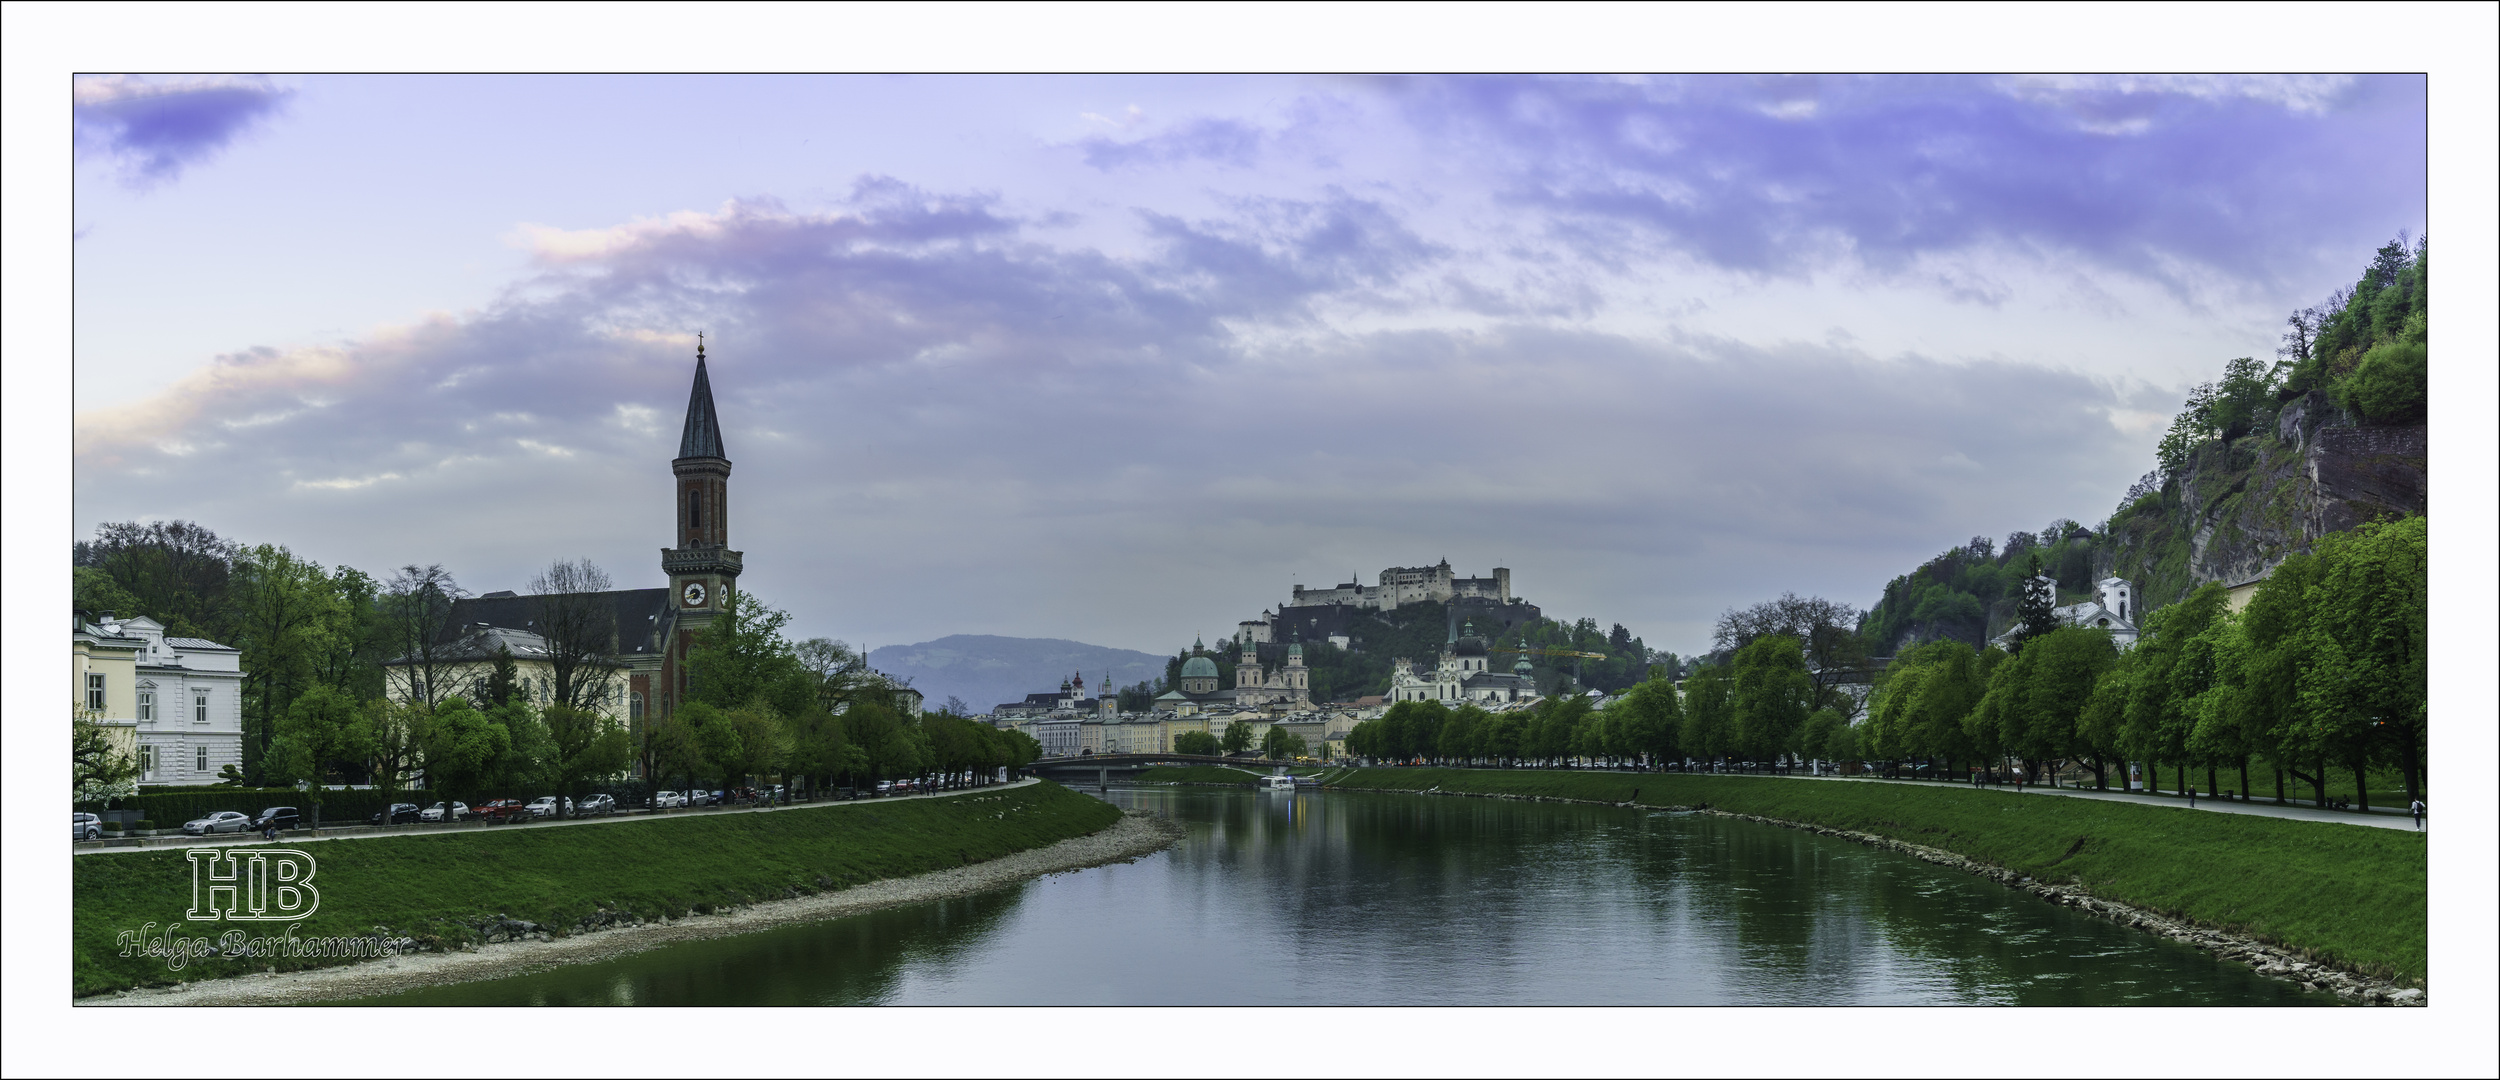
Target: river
(1350, 898)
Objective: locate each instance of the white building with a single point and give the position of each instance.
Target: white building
(1464, 675)
(187, 700)
(2113, 607)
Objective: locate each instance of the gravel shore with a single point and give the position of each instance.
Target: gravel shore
(1131, 837)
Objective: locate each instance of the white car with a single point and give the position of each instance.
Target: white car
(220, 821)
(545, 806)
(435, 812)
(668, 800)
(698, 798)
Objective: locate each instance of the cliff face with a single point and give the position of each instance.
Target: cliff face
(2246, 504)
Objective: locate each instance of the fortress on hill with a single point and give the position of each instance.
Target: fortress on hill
(1408, 585)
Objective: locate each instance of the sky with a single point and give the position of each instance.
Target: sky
(1124, 359)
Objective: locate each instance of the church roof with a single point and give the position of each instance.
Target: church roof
(702, 421)
(1198, 667)
(638, 613)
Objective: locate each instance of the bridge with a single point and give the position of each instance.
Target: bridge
(1103, 768)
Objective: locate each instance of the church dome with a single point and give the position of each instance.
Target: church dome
(1198, 667)
(1523, 667)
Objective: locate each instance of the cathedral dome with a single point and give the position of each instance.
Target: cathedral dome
(1198, 667)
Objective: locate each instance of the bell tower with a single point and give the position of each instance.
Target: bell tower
(701, 569)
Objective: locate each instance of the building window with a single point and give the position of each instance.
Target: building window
(637, 706)
(95, 691)
(147, 762)
(199, 707)
(147, 705)
(199, 759)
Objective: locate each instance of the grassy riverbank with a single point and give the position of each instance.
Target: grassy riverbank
(436, 887)
(2357, 896)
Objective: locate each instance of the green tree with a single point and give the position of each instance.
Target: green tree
(2166, 679)
(177, 573)
(1236, 737)
(462, 745)
(742, 657)
(286, 613)
(1772, 695)
(1282, 744)
(1708, 729)
(318, 738)
(1195, 742)
(98, 772)
(2367, 685)
(582, 745)
(394, 736)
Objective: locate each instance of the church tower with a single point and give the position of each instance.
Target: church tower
(701, 569)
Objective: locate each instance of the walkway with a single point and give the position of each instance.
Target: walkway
(368, 832)
(2376, 817)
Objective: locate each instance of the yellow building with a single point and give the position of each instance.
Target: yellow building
(466, 667)
(104, 683)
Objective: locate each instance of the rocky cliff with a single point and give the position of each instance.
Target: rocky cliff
(2247, 502)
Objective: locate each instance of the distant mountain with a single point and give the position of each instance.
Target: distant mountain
(987, 671)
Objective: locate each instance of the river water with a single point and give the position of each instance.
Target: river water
(1349, 898)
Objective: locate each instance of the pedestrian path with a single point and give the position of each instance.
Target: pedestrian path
(2376, 818)
(359, 832)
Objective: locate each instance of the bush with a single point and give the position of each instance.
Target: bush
(144, 824)
(2391, 383)
(112, 826)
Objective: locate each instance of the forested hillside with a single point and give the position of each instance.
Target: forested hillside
(2257, 465)
(1417, 631)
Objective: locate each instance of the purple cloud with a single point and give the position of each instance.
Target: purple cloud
(1772, 176)
(157, 129)
(1221, 141)
(913, 378)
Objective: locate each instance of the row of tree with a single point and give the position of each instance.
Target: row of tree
(2326, 666)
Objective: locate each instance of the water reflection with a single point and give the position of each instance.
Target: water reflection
(1348, 898)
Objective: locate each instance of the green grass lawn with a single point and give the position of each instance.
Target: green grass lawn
(430, 886)
(2359, 896)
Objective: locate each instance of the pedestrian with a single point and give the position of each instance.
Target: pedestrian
(2191, 790)
(2417, 815)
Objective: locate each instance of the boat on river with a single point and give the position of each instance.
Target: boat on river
(1278, 782)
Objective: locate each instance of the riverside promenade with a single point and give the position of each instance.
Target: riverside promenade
(2380, 818)
(370, 832)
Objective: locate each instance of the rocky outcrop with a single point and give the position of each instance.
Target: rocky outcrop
(2245, 505)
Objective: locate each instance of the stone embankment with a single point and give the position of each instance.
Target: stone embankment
(2269, 960)
(518, 947)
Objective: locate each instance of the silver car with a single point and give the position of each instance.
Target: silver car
(86, 827)
(220, 821)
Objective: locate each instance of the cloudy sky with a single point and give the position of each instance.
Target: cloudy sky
(1123, 359)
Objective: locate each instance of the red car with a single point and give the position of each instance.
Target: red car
(504, 811)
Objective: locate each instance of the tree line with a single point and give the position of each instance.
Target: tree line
(353, 679)
(2325, 667)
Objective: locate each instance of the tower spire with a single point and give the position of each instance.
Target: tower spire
(702, 438)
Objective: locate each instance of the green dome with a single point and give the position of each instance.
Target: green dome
(1198, 666)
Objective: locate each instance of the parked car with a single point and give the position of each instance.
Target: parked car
(668, 800)
(700, 798)
(86, 827)
(278, 817)
(502, 811)
(544, 806)
(217, 821)
(885, 788)
(458, 810)
(598, 804)
(400, 813)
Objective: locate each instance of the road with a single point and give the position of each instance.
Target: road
(366, 832)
